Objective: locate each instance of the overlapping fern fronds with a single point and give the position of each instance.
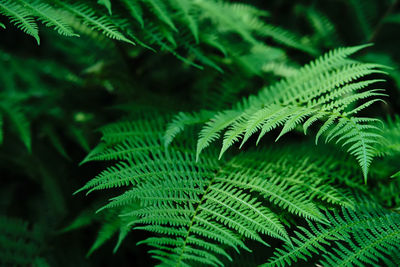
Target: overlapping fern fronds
(331, 90)
(367, 235)
(195, 208)
(171, 26)
(193, 202)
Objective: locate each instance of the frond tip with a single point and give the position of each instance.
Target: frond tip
(20, 17)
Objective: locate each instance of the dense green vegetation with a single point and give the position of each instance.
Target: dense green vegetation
(199, 132)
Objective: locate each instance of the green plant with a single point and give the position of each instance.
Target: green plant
(219, 145)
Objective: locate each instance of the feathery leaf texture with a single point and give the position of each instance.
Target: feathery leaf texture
(328, 90)
(194, 207)
(366, 235)
(197, 204)
(167, 28)
(100, 23)
(49, 16)
(20, 17)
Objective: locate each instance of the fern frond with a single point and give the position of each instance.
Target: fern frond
(132, 147)
(286, 37)
(187, 200)
(363, 234)
(20, 17)
(234, 22)
(115, 176)
(20, 122)
(107, 4)
(324, 29)
(135, 10)
(324, 90)
(49, 16)
(363, 11)
(110, 225)
(391, 131)
(185, 8)
(193, 206)
(213, 128)
(101, 23)
(182, 120)
(160, 9)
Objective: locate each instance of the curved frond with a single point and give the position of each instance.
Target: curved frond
(100, 23)
(49, 16)
(327, 89)
(20, 17)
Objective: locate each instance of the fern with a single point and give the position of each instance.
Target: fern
(362, 12)
(102, 23)
(49, 16)
(391, 131)
(315, 93)
(185, 8)
(198, 205)
(20, 122)
(324, 29)
(160, 10)
(135, 10)
(20, 17)
(107, 4)
(241, 19)
(170, 87)
(360, 237)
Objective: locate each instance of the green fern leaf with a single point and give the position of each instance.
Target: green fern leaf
(195, 206)
(135, 10)
(20, 17)
(212, 129)
(180, 121)
(160, 9)
(49, 16)
(102, 23)
(325, 89)
(107, 4)
(20, 122)
(185, 7)
(364, 235)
